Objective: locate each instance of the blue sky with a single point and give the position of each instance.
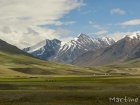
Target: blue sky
(27, 22)
(100, 12)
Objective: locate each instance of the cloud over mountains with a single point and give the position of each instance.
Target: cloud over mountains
(20, 19)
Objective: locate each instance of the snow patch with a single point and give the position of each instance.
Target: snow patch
(134, 35)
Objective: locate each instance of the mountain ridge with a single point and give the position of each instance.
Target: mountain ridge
(72, 49)
(45, 49)
(6, 47)
(125, 49)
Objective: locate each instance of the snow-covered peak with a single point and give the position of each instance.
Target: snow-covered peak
(42, 44)
(134, 35)
(81, 35)
(84, 41)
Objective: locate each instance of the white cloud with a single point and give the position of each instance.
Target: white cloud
(30, 37)
(117, 11)
(132, 22)
(101, 32)
(19, 19)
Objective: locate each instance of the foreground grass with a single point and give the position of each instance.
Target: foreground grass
(68, 90)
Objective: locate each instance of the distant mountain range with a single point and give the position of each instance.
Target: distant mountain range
(55, 50)
(125, 49)
(18, 64)
(122, 56)
(88, 51)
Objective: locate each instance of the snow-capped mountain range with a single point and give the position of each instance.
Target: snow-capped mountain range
(55, 50)
(78, 46)
(128, 48)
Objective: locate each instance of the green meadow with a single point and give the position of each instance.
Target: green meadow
(25, 80)
(68, 90)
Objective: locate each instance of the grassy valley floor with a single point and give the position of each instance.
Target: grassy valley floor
(68, 90)
(25, 80)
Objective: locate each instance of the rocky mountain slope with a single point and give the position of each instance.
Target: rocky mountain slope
(45, 49)
(83, 43)
(125, 49)
(54, 50)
